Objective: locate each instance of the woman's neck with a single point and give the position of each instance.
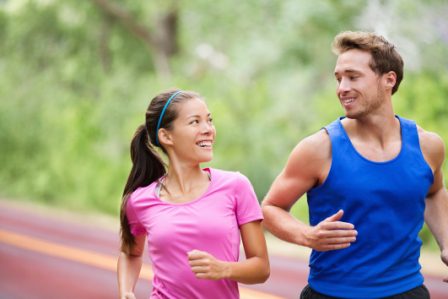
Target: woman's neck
(184, 178)
(184, 183)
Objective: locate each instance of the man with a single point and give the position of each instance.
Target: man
(368, 177)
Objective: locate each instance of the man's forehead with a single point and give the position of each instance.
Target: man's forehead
(354, 56)
(352, 61)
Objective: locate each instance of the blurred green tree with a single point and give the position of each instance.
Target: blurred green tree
(76, 77)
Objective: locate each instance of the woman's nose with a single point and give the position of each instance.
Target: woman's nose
(207, 127)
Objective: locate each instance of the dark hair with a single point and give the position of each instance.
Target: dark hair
(385, 57)
(147, 165)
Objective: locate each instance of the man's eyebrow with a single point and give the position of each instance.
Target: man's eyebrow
(349, 71)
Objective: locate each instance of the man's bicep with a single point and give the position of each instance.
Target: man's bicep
(286, 190)
(437, 185)
(297, 177)
(433, 150)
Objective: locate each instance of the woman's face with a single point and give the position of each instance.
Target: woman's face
(193, 133)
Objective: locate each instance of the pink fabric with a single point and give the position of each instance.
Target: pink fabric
(209, 223)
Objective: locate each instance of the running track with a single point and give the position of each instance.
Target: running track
(43, 255)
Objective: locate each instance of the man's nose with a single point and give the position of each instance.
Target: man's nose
(344, 86)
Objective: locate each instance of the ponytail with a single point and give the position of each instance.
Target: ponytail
(147, 166)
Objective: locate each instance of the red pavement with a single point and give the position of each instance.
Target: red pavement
(27, 273)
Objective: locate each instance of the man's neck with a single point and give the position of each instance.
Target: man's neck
(375, 138)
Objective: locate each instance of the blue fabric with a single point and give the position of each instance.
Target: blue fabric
(159, 122)
(385, 201)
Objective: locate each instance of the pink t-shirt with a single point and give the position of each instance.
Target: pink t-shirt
(209, 223)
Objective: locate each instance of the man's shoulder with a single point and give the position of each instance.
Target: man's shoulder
(317, 139)
(428, 138)
(314, 146)
(310, 159)
(432, 146)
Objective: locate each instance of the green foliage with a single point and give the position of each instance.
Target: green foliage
(75, 82)
(424, 97)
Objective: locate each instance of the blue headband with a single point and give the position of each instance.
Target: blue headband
(163, 113)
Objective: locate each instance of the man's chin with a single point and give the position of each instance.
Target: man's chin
(353, 115)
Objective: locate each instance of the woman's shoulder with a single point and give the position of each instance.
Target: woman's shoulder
(228, 176)
(142, 193)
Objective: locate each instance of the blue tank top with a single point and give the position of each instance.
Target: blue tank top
(386, 202)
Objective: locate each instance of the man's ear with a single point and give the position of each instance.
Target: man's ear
(165, 137)
(390, 79)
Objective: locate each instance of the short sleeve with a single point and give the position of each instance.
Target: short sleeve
(247, 207)
(134, 223)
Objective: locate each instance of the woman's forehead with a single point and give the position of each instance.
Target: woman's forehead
(194, 106)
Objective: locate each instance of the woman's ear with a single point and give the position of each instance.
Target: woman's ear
(165, 137)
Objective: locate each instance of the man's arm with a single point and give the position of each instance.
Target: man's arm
(307, 166)
(436, 212)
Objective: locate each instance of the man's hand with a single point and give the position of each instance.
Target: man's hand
(206, 266)
(331, 234)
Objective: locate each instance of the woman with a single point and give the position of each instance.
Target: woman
(192, 217)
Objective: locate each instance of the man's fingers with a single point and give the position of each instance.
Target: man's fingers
(335, 217)
(335, 241)
(337, 225)
(333, 234)
(327, 233)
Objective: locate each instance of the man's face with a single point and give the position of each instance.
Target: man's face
(359, 89)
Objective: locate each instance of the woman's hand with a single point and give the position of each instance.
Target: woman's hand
(444, 256)
(206, 266)
(128, 295)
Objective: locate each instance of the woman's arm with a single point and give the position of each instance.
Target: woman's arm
(254, 269)
(128, 268)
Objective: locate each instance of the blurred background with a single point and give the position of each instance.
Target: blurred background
(76, 78)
